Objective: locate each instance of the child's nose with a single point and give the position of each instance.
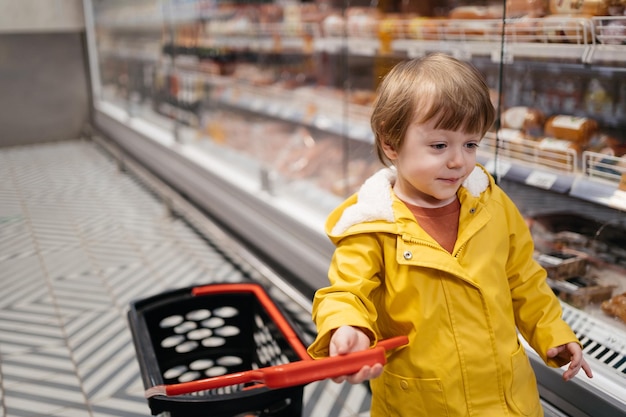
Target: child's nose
(456, 158)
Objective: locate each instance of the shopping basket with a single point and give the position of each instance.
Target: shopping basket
(224, 350)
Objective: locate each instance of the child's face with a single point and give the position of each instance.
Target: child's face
(432, 164)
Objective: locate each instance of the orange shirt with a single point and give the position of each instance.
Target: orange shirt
(441, 223)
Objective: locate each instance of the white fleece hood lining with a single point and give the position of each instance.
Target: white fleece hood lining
(374, 198)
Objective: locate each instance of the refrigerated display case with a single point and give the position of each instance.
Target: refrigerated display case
(258, 112)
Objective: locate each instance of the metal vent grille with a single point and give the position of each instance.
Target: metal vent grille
(602, 342)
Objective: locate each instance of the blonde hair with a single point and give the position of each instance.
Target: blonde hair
(436, 87)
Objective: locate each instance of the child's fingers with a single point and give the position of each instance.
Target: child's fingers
(577, 363)
(364, 374)
(587, 369)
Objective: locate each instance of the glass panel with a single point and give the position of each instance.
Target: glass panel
(128, 42)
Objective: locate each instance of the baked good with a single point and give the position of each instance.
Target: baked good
(527, 119)
(572, 128)
(616, 306)
(560, 154)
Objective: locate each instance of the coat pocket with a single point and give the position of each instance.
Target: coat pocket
(413, 397)
(524, 391)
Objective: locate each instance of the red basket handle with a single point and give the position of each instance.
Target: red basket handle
(290, 374)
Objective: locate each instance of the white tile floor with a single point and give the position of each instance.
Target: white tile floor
(78, 241)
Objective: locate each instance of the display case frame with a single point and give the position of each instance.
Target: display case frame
(158, 124)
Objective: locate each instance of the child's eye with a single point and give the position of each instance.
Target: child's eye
(438, 146)
(472, 145)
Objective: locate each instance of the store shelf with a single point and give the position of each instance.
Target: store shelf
(545, 164)
(586, 40)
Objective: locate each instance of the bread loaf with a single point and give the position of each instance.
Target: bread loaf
(572, 128)
(528, 120)
(558, 153)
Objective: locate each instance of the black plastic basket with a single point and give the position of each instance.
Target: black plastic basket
(224, 350)
(219, 329)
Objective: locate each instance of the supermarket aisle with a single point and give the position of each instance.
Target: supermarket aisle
(79, 239)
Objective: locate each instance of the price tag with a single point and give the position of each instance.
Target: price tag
(498, 170)
(541, 179)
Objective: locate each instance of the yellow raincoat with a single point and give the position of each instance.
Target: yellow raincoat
(461, 311)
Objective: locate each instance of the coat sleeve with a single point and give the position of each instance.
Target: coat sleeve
(355, 271)
(538, 312)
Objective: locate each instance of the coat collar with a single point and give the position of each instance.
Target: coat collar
(374, 199)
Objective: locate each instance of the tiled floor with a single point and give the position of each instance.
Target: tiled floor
(79, 240)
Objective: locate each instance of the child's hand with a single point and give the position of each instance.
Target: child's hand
(574, 354)
(348, 339)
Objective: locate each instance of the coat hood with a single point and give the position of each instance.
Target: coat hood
(374, 200)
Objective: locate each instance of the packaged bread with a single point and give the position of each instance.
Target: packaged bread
(558, 153)
(572, 128)
(616, 306)
(557, 145)
(526, 119)
(516, 144)
(508, 135)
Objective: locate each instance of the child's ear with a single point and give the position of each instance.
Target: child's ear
(389, 150)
